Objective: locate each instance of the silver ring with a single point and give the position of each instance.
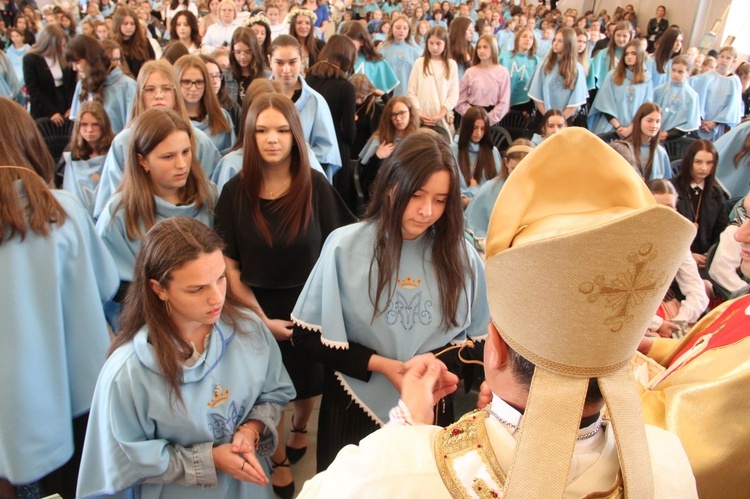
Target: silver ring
(243, 465)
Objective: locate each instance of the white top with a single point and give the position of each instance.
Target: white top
(191, 7)
(55, 69)
(727, 260)
(430, 93)
(218, 35)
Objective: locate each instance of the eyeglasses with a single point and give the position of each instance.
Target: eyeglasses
(165, 89)
(188, 84)
(739, 215)
(216, 76)
(400, 114)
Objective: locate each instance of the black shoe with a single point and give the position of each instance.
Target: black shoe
(294, 454)
(283, 491)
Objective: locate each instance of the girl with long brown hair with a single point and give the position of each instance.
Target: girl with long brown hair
(89, 144)
(404, 282)
(301, 24)
(128, 32)
(486, 83)
(184, 28)
(188, 400)
(560, 81)
(245, 63)
(477, 158)
(100, 80)
(57, 277)
(521, 63)
(460, 47)
(157, 89)
(651, 158)
(369, 62)
(605, 60)
(624, 90)
(433, 83)
(668, 46)
(162, 179)
(274, 217)
(201, 103)
(398, 120)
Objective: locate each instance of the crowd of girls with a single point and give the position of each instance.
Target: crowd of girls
(210, 219)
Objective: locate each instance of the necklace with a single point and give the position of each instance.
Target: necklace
(515, 427)
(277, 191)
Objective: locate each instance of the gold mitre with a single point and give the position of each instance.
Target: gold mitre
(579, 256)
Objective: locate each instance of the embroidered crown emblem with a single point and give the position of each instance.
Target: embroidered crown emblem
(409, 283)
(628, 289)
(220, 397)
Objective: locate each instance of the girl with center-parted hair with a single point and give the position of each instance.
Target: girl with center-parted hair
(376, 298)
(624, 90)
(521, 63)
(187, 402)
(245, 64)
(57, 276)
(560, 81)
(477, 158)
(162, 179)
(605, 60)
(201, 103)
(231, 164)
(128, 32)
(89, 143)
(50, 81)
(398, 120)
(100, 80)
(433, 83)
(700, 198)
(301, 24)
(400, 51)
(486, 83)
(651, 158)
(157, 89)
(184, 29)
(317, 122)
(274, 217)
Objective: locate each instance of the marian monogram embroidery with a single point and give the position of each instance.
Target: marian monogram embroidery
(627, 289)
(409, 312)
(515, 69)
(222, 426)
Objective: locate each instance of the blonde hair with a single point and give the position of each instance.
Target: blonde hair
(165, 69)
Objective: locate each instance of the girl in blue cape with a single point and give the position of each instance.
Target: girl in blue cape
(720, 95)
(274, 218)
(187, 403)
(369, 62)
(57, 277)
(582, 49)
(622, 93)
(521, 63)
(560, 81)
(201, 103)
(733, 170)
(552, 122)
(479, 210)
(402, 283)
(399, 120)
(651, 158)
(400, 52)
(158, 88)
(15, 51)
(477, 158)
(101, 81)
(163, 179)
(10, 87)
(506, 38)
(605, 60)
(659, 64)
(89, 143)
(317, 123)
(679, 102)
